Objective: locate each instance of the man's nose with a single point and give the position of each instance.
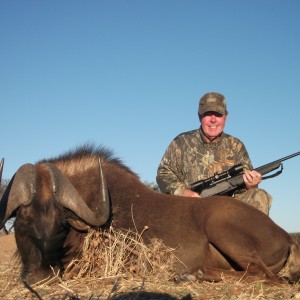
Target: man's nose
(213, 118)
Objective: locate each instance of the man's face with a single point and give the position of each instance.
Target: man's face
(213, 124)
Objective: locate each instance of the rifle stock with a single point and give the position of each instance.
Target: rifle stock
(227, 182)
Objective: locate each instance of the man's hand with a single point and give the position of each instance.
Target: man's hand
(251, 179)
(190, 193)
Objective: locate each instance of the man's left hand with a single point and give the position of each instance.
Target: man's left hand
(251, 179)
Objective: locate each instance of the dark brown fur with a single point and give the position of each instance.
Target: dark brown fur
(213, 235)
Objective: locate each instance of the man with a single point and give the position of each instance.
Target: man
(199, 154)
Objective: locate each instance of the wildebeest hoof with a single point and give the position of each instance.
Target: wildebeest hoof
(187, 277)
(200, 274)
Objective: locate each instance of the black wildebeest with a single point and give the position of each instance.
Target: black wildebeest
(213, 235)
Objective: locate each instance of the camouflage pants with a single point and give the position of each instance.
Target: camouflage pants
(258, 198)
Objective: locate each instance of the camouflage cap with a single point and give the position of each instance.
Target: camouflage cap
(212, 102)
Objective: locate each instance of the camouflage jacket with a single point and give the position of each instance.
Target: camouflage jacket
(190, 158)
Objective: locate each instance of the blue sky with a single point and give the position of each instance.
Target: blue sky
(129, 74)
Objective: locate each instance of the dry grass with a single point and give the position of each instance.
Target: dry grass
(120, 253)
(118, 266)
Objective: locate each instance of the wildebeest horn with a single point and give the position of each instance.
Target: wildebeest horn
(1, 169)
(19, 191)
(69, 197)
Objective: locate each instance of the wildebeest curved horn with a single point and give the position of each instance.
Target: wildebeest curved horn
(69, 197)
(1, 169)
(19, 191)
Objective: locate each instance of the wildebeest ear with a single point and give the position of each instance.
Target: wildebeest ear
(79, 225)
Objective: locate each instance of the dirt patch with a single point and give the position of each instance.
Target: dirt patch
(7, 248)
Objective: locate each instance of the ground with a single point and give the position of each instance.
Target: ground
(128, 287)
(7, 248)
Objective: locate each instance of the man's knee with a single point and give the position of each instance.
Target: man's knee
(258, 198)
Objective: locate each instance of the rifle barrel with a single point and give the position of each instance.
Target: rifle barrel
(290, 156)
(278, 161)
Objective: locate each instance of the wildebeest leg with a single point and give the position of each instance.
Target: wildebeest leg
(216, 275)
(255, 265)
(232, 263)
(252, 263)
(252, 269)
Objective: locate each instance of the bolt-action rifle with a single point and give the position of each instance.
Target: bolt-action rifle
(227, 182)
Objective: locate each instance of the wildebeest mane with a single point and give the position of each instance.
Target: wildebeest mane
(89, 150)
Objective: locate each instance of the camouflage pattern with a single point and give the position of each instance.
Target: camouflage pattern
(258, 198)
(190, 158)
(212, 102)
